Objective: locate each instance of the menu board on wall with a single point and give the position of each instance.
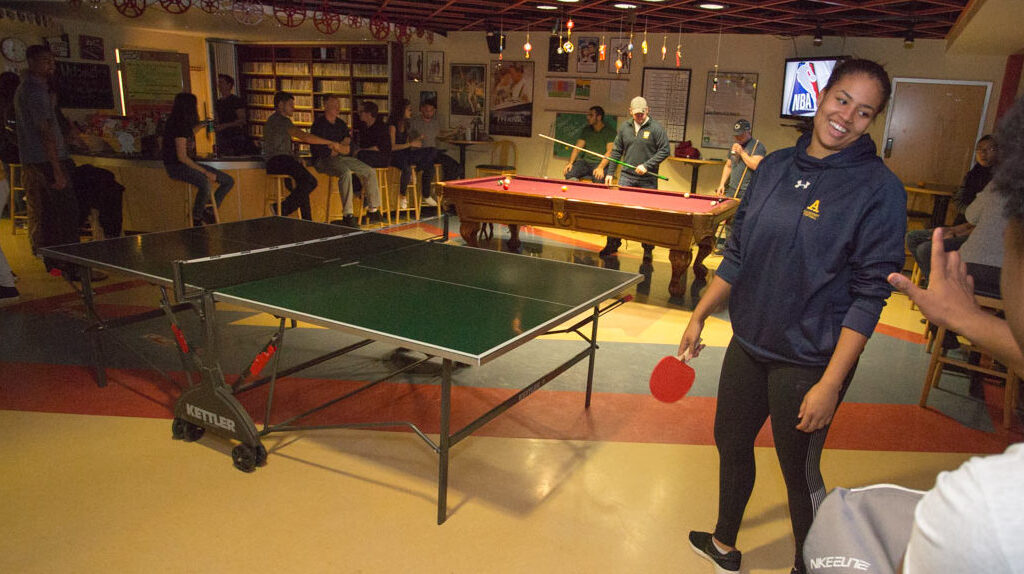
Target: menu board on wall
(730, 100)
(667, 91)
(84, 86)
(151, 79)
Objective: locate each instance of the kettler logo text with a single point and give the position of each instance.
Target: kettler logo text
(840, 562)
(210, 418)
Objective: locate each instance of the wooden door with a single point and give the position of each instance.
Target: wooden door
(932, 128)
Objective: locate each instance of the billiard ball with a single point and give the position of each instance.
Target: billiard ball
(714, 202)
(687, 194)
(565, 188)
(505, 186)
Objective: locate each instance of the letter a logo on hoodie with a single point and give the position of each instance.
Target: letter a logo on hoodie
(813, 210)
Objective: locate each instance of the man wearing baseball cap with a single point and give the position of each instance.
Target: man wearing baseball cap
(643, 143)
(744, 157)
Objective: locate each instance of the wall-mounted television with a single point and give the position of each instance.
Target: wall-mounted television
(805, 79)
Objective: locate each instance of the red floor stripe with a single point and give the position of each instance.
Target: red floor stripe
(548, 415)
(903, 334)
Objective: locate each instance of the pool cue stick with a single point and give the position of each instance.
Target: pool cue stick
(622, 163)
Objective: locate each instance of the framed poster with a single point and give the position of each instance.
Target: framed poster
(414, 66)
(90, 48)
(561, 87)
(586, 55)
(558, 60)
(60, 46)
(617, 49)
(468, 93)
(435, 67)
(511, 110)
(667, 91)
(733, 100)
(150, 80)
(428, 96)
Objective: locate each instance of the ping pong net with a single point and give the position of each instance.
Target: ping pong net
(263, 261)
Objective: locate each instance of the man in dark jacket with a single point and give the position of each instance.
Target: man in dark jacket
(642, 143)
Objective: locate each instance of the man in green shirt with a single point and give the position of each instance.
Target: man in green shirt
(596, 137)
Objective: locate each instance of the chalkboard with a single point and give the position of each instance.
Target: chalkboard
(568, 127)
(84, 86)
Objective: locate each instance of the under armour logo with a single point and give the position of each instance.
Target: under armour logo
(801, 184)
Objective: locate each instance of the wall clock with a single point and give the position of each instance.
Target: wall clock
(13, 49)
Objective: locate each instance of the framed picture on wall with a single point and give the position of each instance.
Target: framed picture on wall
(90, 48)
(617, 50)
(59, 45)
(468, 93)
(428, 96)
(414, 66)
(435, 67)
(586, 55)
(511, 99)
(558, 59)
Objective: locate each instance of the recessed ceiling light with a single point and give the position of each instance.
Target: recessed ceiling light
(624, 6)
(569, 1)
(547, 7)
(711, 5)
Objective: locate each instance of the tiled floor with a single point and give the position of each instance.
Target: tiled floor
(94, 483)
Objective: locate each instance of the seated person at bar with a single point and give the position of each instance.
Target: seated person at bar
(372, 137)
(597, 137)
(330, 126)
(179, 151)
(919, 241)
(429, 125)
(229, 121)
(278, 132)
(406, 152)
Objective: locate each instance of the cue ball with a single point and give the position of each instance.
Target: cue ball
(714, 202)
(687, 194)
(565, 188)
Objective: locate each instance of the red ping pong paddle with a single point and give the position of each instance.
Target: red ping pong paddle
(672, 378)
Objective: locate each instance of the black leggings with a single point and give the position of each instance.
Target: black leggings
(750, 391)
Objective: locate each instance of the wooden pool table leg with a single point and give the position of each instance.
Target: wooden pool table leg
(704, 248)
(513, 241)
(469, 231)
(680, 260)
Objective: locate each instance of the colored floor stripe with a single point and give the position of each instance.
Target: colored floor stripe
(549, 414)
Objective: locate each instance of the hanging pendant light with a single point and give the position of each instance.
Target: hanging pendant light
(664, 48)
(527, 46)
(643, 45)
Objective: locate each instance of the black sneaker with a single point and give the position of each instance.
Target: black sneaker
(705, 548)
(374, 216)
(9, 296)
(349, 220)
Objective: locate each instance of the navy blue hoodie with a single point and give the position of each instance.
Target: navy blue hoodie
(811, 246)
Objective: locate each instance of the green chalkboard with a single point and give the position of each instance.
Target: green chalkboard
(568, 126)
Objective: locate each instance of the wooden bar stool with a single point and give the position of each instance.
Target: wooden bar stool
(384, 184)
(275, 195)
(412, 194)
(939, 358)
(17, 185)
(329, 214)
(211, 202)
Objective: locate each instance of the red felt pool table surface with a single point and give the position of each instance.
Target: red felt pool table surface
(658, 217)
(661, 200)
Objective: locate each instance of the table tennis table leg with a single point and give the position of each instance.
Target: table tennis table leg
(85, 274)
(593, 355)
(445, 439)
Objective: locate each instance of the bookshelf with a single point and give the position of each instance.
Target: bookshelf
(353, 71)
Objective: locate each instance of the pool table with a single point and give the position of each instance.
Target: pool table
(663, 218)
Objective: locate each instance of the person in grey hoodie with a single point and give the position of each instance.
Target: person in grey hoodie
(804, 273)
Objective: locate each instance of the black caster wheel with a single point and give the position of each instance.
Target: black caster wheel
(261, 456)
(193, 432)
(178, 429)
(245, 457)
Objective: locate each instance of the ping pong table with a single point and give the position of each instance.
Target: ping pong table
(458, 304)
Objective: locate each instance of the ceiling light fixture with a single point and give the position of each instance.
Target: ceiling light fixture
(625, 6)
(818, 39)
(711, 6)
(547, 7)
(908, 40)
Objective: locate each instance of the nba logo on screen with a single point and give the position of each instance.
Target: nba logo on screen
(805, 89)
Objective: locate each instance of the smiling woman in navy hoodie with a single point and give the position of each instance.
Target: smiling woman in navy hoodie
(804, 273)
